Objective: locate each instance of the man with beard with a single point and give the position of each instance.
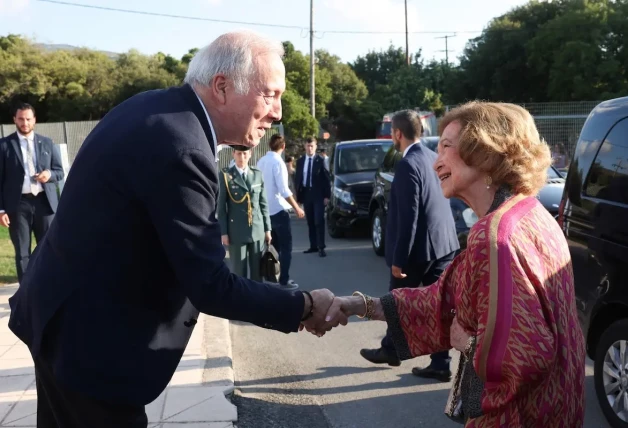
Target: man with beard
(421, 236)
(30, 168)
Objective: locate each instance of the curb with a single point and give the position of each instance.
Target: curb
(218, 370)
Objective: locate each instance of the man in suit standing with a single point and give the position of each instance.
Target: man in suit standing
(313, 191)
(30, 168)
(421, 236)
(110, 299)
(243, 214)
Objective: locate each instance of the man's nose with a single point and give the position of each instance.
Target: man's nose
(276, 111)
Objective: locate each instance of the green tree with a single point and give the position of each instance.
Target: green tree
(297, 120)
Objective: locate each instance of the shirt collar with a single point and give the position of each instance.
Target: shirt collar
(405, 152)
(242, 171)
(29, 137)
(211, 127)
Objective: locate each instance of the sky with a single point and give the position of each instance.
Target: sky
(46, 22)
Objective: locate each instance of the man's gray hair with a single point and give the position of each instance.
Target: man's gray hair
(233, 55)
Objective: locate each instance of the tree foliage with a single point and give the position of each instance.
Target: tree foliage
(563, 50)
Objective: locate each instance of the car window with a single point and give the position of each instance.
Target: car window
(608, 179)
(360, 157)
(388, 164)
(552, 173)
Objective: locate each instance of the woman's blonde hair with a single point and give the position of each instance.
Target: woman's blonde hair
(502, 141)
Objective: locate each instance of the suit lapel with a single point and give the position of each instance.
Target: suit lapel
(38, 150)
(196, 108)
(15, 142)
(249, 179)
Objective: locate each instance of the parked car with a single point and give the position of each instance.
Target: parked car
(593, 215)
(352, 168)
(464, 216)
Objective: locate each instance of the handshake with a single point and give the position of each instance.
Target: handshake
(324, 311)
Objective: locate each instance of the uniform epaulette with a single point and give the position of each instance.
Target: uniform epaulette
(226, 169)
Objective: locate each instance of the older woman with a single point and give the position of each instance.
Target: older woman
(507, 302)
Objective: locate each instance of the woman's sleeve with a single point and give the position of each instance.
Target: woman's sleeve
(420, 318)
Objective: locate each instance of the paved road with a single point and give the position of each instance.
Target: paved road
(301, 381)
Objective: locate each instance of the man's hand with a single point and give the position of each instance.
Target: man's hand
(326, 201)
(4, 220)
(316, 324)
(397, 273)
(225, 239)
(43, 176)
(300, 213)
(268, 237)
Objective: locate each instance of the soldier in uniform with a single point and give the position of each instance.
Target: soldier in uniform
(243, 214)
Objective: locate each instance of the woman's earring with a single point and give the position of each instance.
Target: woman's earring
(488, 182)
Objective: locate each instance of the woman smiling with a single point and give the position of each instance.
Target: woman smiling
(507, 302)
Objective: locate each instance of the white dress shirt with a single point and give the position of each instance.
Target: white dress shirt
(306, 168)
(275, 175)
(28, 140)
(243, 171)
(405, 152)
(211, 127)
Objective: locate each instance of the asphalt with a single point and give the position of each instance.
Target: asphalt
(299, 380)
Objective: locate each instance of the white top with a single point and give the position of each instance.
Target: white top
(30, 141)
(211, 127)
(275, 175)
(305, 168)
(405, 152)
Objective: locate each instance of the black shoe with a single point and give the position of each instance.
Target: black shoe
(430, 373)
(310, 251)
(381, 356)
(322, 253)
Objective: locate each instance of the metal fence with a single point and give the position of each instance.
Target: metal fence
(559, 123)
(74, 133)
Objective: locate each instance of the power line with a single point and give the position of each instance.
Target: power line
(225, 21)
(303, 29)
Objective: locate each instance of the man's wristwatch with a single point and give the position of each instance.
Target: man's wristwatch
(309, 314)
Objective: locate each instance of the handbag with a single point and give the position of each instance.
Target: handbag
(270, 267)
(465, 398)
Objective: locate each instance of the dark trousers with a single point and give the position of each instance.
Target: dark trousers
(60, 407)
(315, 214)
(421, 274)
(282, 241)
(34, 215)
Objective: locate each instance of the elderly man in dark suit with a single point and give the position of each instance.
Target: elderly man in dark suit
(30, 168)
(421, 236)
(313, 188)
(111, 297)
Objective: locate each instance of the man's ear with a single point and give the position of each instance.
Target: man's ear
(219, 88)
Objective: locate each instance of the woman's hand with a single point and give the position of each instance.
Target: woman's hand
(458, 337)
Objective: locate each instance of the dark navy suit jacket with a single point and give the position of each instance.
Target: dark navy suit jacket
(48, 157)
(134, 254)
(419, 226)
(321, 187)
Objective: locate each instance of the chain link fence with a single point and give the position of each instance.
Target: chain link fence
(72, 134)
(559, 123)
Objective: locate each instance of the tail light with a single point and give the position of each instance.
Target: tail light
(561, 212)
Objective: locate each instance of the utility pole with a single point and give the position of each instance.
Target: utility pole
(312, 80)
(407, 50)
(446, 47)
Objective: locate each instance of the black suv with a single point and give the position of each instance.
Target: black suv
(352, 168)
(464, 216)
(593, 207)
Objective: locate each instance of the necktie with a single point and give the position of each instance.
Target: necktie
(244, 175)
(309, 173)
(31, 168)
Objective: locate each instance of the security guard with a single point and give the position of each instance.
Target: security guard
(243, 214)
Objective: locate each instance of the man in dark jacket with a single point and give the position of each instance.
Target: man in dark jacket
(421, 236)
(313, 191)
(111, 298)
(30, 168)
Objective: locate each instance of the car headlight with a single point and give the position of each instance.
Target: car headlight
(469, 217)
(344, 196)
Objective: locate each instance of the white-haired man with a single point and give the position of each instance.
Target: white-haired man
(110, 300)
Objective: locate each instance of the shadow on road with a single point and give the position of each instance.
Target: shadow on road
(360, 413)
(324, 373)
